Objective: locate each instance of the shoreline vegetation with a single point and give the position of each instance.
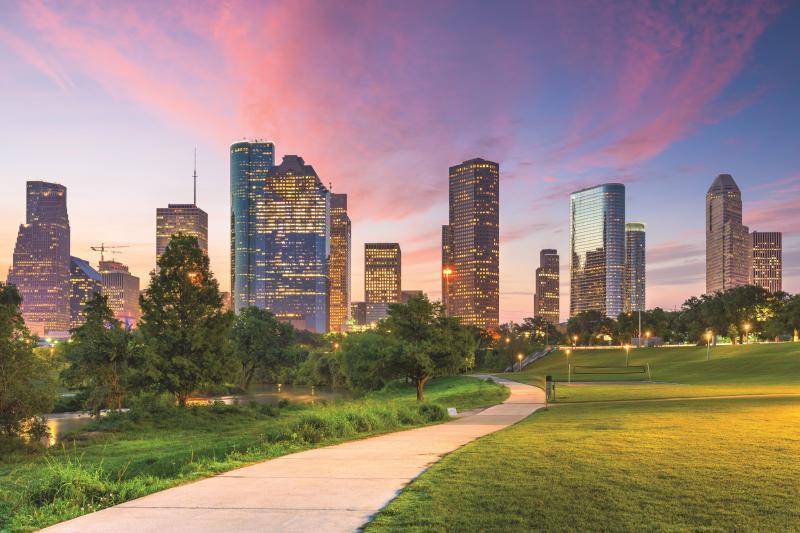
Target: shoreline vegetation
(158, 445)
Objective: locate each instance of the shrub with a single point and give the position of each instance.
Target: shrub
(432, 412)
(83, 487)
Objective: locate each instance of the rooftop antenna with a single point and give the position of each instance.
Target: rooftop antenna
(194, 175)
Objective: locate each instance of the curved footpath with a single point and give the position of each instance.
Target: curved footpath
(336, 488)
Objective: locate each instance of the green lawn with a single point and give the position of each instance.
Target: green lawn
(134, 457)
(698, 464)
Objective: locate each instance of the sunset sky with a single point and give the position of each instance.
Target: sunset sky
(381, 97)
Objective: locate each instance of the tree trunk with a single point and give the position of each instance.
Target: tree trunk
(181, 397)
(421, 388)
(246, 376)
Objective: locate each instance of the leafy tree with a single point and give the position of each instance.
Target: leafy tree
(425, 343)
(590, 327)
(26, 388)
(363, 357)
(261, 342)
(99, 356)
(183, 325)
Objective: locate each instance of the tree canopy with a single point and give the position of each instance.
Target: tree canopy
(261, 343)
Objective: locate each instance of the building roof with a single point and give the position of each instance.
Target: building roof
(723, 182)
(86, 268)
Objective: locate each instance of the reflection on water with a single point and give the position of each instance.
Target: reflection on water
(62, 423)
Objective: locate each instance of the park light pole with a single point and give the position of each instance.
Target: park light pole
(519, 358)
(627, 351)
(747, 333)
(647, 336)
(446, 272)
(574, 341)
(708, 345)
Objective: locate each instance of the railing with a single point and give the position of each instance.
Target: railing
(535, 356)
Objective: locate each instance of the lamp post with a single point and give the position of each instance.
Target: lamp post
(569, 366)
(446, 272)
(519, 358)
(639, 339)
(708, 345)
(747, 333)
(574, 341)
(627, 351)
(647, 336)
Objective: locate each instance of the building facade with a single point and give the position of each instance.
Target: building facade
(635, 267)
(250, 163)
(41, 264)
(382, 278)
(727, 253)
(84, 283)
(187, 219)
(339, 264)
(405, 296)
(122, 290)
(546, 301)
(471, 244)
(766, 260)
(597, 250)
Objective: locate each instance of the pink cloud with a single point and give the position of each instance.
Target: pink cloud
(35, 58)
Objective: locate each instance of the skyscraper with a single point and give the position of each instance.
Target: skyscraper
(339, 264)
(471, 244)
(122, 290)
(767, 260)
(40, 267)
(405, 296)
(382, 278)
(546, 300)
(250, 162)
(84, 282)
(597, 249)
(293, 226)
(635, 267)
(727, 254)
(187, 219)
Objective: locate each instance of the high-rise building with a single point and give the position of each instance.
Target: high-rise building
(187, 219)
(471, 244)
(293, 224)
(122, 290)
(382, 275)
(767, 260)
(250, 162)
(635, 267)
(40, 267)
(546, 300)
(358, 313)
(339, 264)
(84, 282)
(405, 296)
(597, 250)
(727, 254)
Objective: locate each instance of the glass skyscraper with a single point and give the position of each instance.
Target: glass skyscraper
(339, 264)
(471, 244)
(382, 278)
(122, 290)
(597, 249)
(40, 267)
(727, 254)
(187, 219)
(767, 260)
(546, 299)
(250, 163)
(84, 282)
(635, 267)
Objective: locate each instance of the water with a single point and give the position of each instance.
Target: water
(62, 423)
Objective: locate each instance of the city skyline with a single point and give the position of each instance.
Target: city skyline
(740, 122)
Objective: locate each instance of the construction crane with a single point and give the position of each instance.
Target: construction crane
(103, 247)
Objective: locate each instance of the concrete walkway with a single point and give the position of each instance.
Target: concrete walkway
(337, 488)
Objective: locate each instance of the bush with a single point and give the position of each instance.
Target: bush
(432, 412)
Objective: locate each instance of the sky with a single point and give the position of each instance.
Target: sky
(110, 99)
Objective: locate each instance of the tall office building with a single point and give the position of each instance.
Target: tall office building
(250, 163)
(405, 296)
(382, 278)
(635, 267)
(84, 283)
(40, 267)
(293, 223)
(471, 244)
(187, 219)
(339, 264)
(727, 254)
(766, 260)
(122, 290)
(597, 250)
(546, 300)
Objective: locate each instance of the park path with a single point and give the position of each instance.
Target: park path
(331, 489)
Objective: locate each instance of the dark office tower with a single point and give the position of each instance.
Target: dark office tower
(293, 223)
(381, 278)
(471, 244)
(250, 162)
(767, 260)
(40, 267)
(405, 296)
(339, 264)
(727, 254)
(187, 219)
(122, 290)
(546, 300)
(597, 250)
(84, 283)
(635, 267)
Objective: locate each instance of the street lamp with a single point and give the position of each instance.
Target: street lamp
(708, 345)
(574, 340)
(627, 351)
(508, 340)
(647, 336)
(519, 358)
(747, 333)
(335, 345)
(446, 272)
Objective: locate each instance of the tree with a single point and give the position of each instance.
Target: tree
(363, 358)
(99, 355)
(26, 388)
(183, 325)
(425, 343)
(261, 342)
(590, 326)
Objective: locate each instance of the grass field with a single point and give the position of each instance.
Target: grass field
(135, 456)
(688, 465)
